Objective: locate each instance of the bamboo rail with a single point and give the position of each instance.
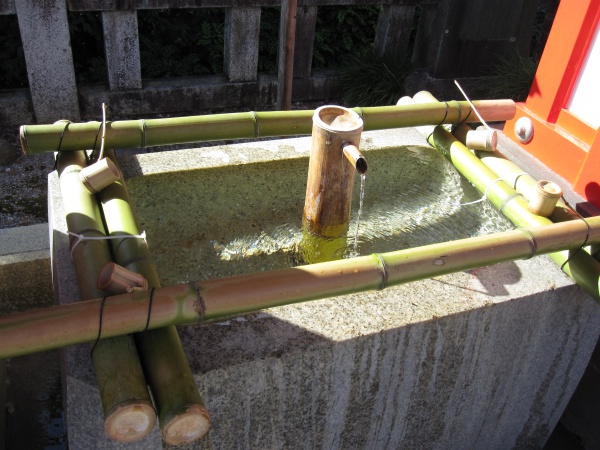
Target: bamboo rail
(580, 266)
(44, 329)
(144, 133)
(182, 415)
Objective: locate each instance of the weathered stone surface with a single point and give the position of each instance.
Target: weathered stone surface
(393, 31)
(306, 21)
(242, 29)
(188, 95)
(47, 47)
(31, 410)
(8, 152)
(24, 268)
(122, 50)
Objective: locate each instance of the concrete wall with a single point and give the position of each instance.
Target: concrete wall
(486, 358)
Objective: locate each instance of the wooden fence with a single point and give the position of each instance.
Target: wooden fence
(454, 38)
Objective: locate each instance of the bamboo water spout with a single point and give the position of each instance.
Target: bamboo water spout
(334, 159)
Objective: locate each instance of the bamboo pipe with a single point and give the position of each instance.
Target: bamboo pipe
(328, 199)
(355, 157)
(144, 133)
(523, 183)
(126, 404)
(181, 413)
(53, 327)
(330, 175)
(580, 266)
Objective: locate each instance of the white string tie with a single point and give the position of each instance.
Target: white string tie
(484, 193)
(81, 238)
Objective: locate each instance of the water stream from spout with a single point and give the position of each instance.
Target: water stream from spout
(363, 179)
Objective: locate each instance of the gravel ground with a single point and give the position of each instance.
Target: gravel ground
(23, 184)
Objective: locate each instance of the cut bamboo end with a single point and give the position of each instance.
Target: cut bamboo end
(544, 198)
(337, 119)
(406, 100)
(119, 280)
(355, 157)
(187, 427)
(99, 175)
(482, 140)
(130, 422)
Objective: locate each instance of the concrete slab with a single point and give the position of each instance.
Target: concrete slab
(486, 358)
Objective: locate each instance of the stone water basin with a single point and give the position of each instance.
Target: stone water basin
(486, 358)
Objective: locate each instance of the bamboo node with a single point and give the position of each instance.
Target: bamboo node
(384, 274)
(532, 242)
(255, 122)
(507, 200)
(199, 304)
(517, 176)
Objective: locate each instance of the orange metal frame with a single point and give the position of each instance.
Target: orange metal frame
(563, 142)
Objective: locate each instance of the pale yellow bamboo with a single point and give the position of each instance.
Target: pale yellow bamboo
(330, 182)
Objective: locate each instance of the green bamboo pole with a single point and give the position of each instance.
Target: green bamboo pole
(510, 172)
(128, 411)
(154, 132)
(181, 412)
(49, 328)
(579, 265)
(523, 183)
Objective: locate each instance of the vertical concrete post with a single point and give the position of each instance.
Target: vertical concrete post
(122, 49)
(306, 21)
(242, 28)
(44, 31)
(393, 31)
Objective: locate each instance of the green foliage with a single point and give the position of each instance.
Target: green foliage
(268, 41)
(511, 77)
(369, 80)
(341, 31)
(184, 42)
(12, 61)
(87, 43)
(181, 42)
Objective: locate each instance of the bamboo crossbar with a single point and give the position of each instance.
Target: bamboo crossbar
(581, 267)
(144, 133)
(54, 327)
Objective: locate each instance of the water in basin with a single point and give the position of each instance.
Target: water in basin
(239, 218)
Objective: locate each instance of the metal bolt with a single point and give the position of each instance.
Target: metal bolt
(524, 130)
